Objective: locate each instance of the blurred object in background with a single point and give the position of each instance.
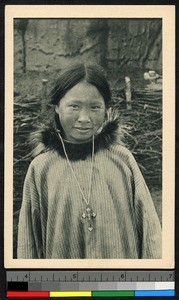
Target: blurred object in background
(154, 80)
(128, 93)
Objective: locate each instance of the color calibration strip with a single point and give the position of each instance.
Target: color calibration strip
(52, 294)
(105, 289)
(51, 284)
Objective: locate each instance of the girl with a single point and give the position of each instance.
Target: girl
(84, 195)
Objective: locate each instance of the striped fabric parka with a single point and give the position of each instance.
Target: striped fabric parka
(126, 225)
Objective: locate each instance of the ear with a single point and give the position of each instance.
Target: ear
(57, 109)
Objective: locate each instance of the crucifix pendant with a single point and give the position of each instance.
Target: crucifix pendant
(89, 214)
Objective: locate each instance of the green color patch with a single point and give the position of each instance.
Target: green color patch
(113, 294)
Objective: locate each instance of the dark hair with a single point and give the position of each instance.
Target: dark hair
(93, 74)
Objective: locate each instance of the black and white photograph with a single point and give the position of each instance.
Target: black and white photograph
(90, 137)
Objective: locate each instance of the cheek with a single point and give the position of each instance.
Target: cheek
(65, 121)
(99, 118)
(65, 116)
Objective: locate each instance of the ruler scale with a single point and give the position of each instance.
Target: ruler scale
(90, 283)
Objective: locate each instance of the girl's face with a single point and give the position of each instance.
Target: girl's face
(81, 112)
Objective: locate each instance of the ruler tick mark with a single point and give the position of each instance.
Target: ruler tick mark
(91, 276)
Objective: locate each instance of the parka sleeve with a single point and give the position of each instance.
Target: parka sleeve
(29, 228)
(147, 221)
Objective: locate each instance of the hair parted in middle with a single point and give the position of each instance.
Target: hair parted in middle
(70, 77)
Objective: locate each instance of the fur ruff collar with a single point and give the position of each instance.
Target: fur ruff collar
(46, 138)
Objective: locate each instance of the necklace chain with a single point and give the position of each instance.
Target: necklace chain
(74, 175)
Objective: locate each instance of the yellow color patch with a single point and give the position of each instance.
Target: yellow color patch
(71, 294)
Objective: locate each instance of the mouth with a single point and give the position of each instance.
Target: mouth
(82, 129)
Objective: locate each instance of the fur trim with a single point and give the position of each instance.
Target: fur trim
(46, 138)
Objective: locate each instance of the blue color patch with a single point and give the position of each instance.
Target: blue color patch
(155, 293)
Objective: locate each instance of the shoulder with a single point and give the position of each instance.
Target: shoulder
(122, 152)
(123, 156)
(43, 161)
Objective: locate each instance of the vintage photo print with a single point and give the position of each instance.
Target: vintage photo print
(89, 136)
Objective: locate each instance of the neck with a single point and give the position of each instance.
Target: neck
(77, 142)
(74, 142)
(64, 146)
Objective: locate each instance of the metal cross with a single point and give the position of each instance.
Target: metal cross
(89, 214)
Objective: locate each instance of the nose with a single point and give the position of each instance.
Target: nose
(84, 116)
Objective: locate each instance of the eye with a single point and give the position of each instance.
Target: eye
(95, 107)
(74, 106)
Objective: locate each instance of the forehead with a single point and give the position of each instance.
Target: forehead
(83, 91)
